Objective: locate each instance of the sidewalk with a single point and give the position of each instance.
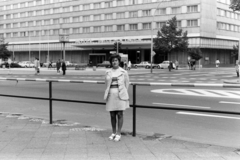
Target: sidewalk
(25, 138)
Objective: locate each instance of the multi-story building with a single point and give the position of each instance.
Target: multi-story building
(32, 28)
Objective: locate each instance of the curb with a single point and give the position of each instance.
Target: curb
(232, 81)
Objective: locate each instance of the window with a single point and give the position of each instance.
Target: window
(192, 8)
(97, 29)
(228, 14)
(30, 33)
(75, 30)
(22, 34)
(23, 14)
(15, 34)
(179, 24)
(1, 17)
(66, 20)
(39, 2)
(121, 15)
(86, 6)
(160, 11)
(8, 7)
(108, 4)
(1, 26)
(227, 27)
(15, 25)
(133, 14)
(46, 32)
(133, 27)
(47, 11)
(192, 23)
(120, 2)
(8, 16)
(15, 6)
(121, 27)
(1, 35)
(8, 25)
(30, 13)
(38, 33)
(39, 23)
(97, 5)
(108, 16)
(75, 19)
(55, 21)
(22, 5)
(86, 18)
(30, 23)
(47, 22)
(147, 25)
(131, 2)
(46, 1)
(97, 17)
(75, 8)
(176, 10)
(23, 24)
(147, 1)
(15, 15)
(160, 24)
(8, 35)
(56, 1)
(108, 28)
(86, 29)
(30, 4)
(38, 13)
(55, 32)
(146, 12)
(66, 9)
(1, 8)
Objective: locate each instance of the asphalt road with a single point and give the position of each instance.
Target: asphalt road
(207, 128)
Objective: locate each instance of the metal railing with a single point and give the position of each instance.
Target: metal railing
(134, 104)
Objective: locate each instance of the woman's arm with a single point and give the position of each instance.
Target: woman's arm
(126, 80)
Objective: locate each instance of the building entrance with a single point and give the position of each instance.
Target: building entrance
(95, 58)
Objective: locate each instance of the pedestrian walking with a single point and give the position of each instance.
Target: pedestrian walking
(237, 67)
(170, 66)
(37, 66)
(58, 65)
(64, 67)
(129, 65)
(217, 63)
(116, 95)
(176, 64)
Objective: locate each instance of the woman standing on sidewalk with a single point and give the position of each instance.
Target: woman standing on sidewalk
(116, 95)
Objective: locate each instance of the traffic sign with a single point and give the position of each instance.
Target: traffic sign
(153, 53)
(63, 38)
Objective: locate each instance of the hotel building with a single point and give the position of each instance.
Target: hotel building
(32, 28)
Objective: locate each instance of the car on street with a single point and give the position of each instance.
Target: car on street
(26, 64)
(164, 65)
(104, 64)
(68, 63)
(144, 64)
(13, 65)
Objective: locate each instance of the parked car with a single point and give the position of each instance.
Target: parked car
(144, 64)
(26, 64)
(165, 64)
(13, 65)
(68, 63)
(104, 64)
(53, 64)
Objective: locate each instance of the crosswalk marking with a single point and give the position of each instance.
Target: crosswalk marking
(200, 92)
(230, 102)
(208, 115)
(180, 105)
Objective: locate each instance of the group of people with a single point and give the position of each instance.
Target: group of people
(59, 64)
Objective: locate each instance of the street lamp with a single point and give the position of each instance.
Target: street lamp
(153, 53)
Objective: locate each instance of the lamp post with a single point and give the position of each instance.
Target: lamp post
(153, 53)
(63, 38)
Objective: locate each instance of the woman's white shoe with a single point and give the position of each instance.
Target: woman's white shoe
(117, 138)
(112, 136)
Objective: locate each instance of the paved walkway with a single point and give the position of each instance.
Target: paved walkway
(25, 138)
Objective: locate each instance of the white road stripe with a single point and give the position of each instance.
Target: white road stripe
(229, 102)
(207, 115)
(180, 105)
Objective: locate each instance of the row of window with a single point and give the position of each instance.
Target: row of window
(228, 14)
(84, 7)
(148, 12)
(108, 28)
(228, 2)
(228, 27)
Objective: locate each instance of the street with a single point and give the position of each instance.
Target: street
(206, 128)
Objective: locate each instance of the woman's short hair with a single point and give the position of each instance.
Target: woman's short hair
(114, 56)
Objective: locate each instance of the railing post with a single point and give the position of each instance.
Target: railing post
(50, 102)
(134, 110)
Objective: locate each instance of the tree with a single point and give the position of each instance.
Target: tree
(4, 52)
(170, 38)
(235, 5)
(235, 51)
(195, 53)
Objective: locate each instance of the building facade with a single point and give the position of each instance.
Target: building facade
(32, 28)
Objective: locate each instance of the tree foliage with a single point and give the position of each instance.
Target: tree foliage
(4, 52)
(235, 5)
(235, 51)
(171, 38)
(195, 53)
